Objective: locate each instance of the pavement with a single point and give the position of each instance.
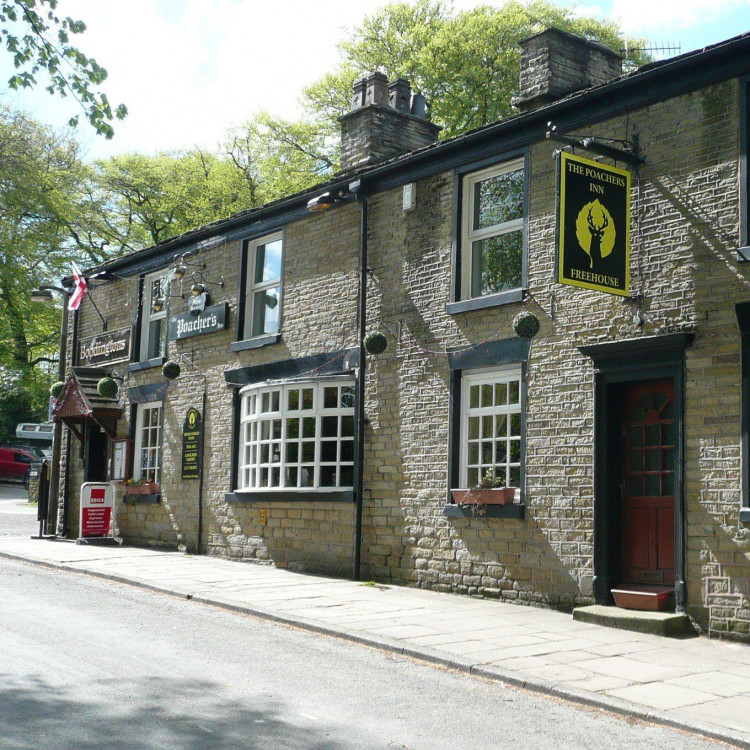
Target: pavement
(697, 684)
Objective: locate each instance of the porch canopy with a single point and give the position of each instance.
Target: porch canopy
(80, 402)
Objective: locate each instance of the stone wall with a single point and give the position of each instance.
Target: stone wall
(684, 230)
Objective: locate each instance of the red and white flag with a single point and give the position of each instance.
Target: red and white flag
(81, 286)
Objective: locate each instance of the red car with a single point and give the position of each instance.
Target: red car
(15, 462)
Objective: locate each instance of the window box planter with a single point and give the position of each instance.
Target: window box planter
(150, 488)
(497, 496)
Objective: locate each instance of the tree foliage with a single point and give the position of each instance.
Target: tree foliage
(466, 64)
(39, 176)
(134, 200)
(39, 41)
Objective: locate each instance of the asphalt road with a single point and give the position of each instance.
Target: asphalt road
(17, 517)
(90, 664)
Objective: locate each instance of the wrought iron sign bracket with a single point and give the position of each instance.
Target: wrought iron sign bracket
(628, 154)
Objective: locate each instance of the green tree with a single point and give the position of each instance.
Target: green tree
(23, 398)
(279, 157)
(38, 189)
(133, 201)
(40, 41)
(466, 64)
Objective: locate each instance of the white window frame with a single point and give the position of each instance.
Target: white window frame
(147, 316)
(470, 235)
(506, 374)
(251, 288)
(139, 470)
(251, 464)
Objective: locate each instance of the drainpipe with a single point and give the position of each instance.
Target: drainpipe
(200, 474)
(362, 314)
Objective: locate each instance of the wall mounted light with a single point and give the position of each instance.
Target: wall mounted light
(197, 289)
(180, 270)
(327, 200)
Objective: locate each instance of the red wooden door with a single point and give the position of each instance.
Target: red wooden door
(649, 447)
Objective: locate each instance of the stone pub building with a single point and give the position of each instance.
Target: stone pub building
(613, 209)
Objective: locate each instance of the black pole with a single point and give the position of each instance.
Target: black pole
(360, 446)
(66, 488)
(54, 485)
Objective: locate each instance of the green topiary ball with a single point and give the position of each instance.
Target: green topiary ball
(171, 370)
(375, 343)
(56, 389)
(526, 324)
(107, 388)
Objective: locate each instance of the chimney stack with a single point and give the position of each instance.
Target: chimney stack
(555, 63)
(385, 120)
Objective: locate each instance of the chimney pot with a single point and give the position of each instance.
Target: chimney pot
(358, 93)
(376, 91)
(399, 95)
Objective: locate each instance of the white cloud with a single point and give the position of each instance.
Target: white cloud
(647, 17)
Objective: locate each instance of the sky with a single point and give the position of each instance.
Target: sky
(190, 69)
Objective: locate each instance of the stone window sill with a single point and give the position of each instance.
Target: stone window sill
(141, 499)
(292, 496)
(146, 364)
(481, 303)
(255, 343)
(514, 510)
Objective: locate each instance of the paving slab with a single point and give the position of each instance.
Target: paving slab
(701, 685)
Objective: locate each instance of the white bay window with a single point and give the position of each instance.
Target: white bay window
(297, 435)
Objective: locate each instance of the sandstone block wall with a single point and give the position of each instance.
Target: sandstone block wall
(685, 227)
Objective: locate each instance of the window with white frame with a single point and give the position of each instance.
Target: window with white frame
(492, 230)
(263, 286)
(491, 426)
(297, 435)
(153, 321)
(148, 442)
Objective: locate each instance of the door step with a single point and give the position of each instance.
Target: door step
(669, 624)
(647, 598)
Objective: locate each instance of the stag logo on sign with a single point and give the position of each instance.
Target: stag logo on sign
(593, 225)
(595, 230)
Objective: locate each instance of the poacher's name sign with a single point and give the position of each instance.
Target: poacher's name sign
(106, 348)
(211, 319)
(593, 226)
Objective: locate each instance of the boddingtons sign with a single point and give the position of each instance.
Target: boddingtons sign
(593, 226)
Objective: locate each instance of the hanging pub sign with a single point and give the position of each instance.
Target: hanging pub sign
(189, 324)
(191, 444)
(593, 225)
(105, 348)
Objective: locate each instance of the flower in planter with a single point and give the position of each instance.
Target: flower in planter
(489, 491)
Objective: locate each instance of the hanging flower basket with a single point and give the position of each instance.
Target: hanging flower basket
(107, 388)
(171, 370)
(375, 343)
(526, 324)
(56, 389)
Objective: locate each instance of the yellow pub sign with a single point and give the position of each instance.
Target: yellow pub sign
(593, 225)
